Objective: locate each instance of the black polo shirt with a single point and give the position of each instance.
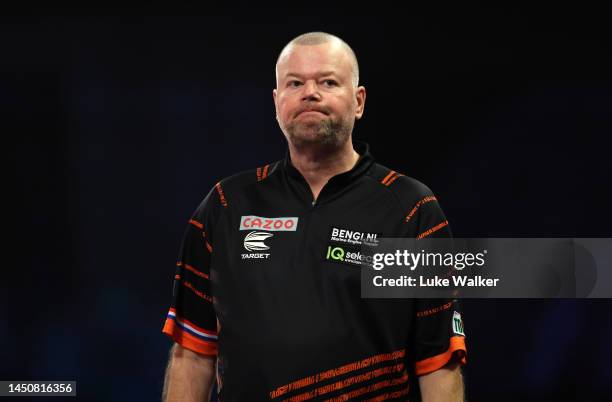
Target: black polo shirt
(256, 286)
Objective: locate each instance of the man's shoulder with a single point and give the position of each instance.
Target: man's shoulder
(405, 187)
(229, 189)
(232, 187)
(239, 181)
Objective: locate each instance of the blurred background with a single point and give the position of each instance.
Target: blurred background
(116, 122)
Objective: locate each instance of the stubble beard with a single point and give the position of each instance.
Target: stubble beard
(326, 133)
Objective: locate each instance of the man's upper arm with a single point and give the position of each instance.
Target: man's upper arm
(191, 321)
(438, 336)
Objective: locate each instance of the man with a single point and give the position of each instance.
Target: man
(256, 291)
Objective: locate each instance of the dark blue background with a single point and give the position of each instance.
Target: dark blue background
(117, 126)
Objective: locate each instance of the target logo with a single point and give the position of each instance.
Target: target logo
(254, 241)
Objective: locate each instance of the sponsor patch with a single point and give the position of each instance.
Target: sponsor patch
(347, 255)
(254, 241)
(458, 324)
(281, 224)
(353, 237)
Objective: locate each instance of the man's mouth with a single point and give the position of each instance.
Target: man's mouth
(312, 112)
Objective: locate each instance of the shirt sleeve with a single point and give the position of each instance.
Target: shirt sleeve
(439, 336)
(191, 320)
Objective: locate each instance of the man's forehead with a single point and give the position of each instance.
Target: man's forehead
(324, 58)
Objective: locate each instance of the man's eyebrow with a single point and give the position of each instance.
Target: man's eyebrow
(321, 74)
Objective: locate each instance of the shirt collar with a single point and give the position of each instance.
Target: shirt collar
(363, 164)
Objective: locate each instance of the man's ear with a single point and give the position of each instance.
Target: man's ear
(360, 95)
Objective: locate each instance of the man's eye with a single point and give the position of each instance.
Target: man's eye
(294, 83)
(330, 83)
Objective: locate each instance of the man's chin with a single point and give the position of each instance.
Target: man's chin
(314, 134)
(311, 138)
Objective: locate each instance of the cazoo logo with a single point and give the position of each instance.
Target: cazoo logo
(284, 224)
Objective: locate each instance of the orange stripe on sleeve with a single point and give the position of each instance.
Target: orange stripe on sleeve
(221, 195)
(418, 204)
(265, 171)
(208, 246)
(391, 180)
(196, 224)
(191, 324)
(195, 271)
(187, 340)
(432, 230)
(258, 174)
(434, 310)
(204, 296)
(457, 343)
(388, 176)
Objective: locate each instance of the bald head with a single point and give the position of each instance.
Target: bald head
(318, 38)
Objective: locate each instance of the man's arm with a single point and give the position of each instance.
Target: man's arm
(443, 385)
(189, 376)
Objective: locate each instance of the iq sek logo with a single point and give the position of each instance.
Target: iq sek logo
(254, 241)
(341, 254)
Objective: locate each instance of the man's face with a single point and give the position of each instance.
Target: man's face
(316, 100)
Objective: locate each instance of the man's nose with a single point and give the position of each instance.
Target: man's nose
(310, 91)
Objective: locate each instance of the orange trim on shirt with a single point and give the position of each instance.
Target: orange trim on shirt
(347, 382)
(191, 324)
(371, 388)
(196, 224)
(418, 204)
(389, 395)
(457, 343)
(338, 371)
(221, 195)
(262, 172)
(188, 341)
(387, 177)
(432, 230)
(195, 271)
(391, 180)
(204, 296)
(434, 310)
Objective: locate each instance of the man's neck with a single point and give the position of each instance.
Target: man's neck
(318, 165)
